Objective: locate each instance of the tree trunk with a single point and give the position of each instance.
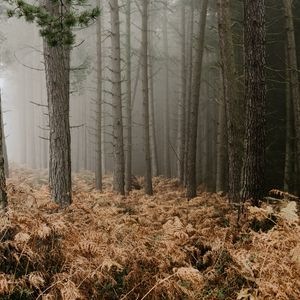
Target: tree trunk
(167, 163)
(231, 100)
(3, 195)
(57, 65)
(182, 102)
(148, 175)
(255, 63)
(6, 165)
(119, 164)
(99, 105)
(294, 81)
(222, 167)
(167, 168)
(128, 160)
(289, 170)
(153, 142)
(192, 141)
(189, 53)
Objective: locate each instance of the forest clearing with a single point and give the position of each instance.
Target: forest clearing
(104, 246)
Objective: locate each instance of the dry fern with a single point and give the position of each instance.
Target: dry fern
(161, 247)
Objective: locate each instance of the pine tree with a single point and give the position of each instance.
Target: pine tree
(193, 123)
(128, 158)
(119, 163)
(99, 104)
(145, 83)
(56, 20)
(255, 63)
(3, 194)
(231, 100)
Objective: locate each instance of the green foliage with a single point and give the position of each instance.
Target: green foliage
(56, 20)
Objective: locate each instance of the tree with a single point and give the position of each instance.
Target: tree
(231, 100)
(145, 84)
(119, 163)
(3, 194)
(99, 105)
(222, 149)
(289, 166)
(192, 140)
(128, 160)
(56, 20)
(189, 59)
(255, 63)
(57, 66)
(5, 156)
(182, 102)
(167, 166)
(293, 78)
(153, 139)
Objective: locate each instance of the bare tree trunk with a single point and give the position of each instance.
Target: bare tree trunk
(99, 105)
(6, 165)
(128, 160)
(57, 65)
(119, 164)
(221, 147)
(85, 140)
(3, 194)
(189, 76)
(167, 168)
(182, 102)
(148, 175)
(294, 81)
(153, 143)
(288, 167)
(231, 100)
(255, 63)
(192, 141)
(136, 81)
(201, 154)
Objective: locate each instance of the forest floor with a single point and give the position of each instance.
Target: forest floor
(162, 247)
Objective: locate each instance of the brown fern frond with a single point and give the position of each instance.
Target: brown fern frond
(282, 195)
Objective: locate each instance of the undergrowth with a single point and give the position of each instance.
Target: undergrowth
(161, 247)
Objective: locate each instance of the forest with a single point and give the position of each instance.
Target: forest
(149, 149)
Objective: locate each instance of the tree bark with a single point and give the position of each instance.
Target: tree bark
(231, 100)
(294, 82)
(192, 141)
(3, 194)
(153, 142)
(148, 175)
(167, 162)
(128, 160)
(255, 84)
(99, 105)
(182, 102)
(289, 171)
(189, 53)
(5, 156)
(222, 153)
(119, 163)
(57, 65)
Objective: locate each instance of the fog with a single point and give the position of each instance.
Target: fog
(173, 35)
(25, 97)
